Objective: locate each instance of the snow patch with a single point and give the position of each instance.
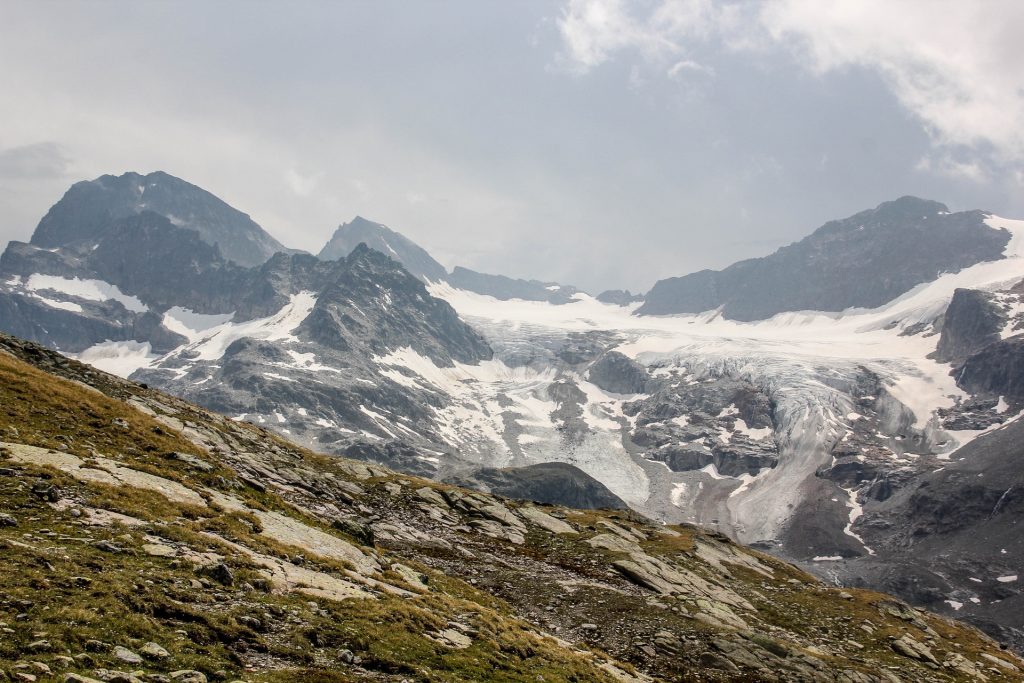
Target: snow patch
(61, 305)
(678, 492)
(308, 362)
(120, 358)
(278, 327)
(856, 510)
(192, 325)
(755, 434)
(90, 290)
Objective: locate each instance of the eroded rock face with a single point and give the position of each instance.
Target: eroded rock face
(689, 424)
(996, 370)
(553, 482)
(943, 538)
(971, 322)
(618, 374)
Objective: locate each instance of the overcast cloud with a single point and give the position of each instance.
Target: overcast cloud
(602, 143)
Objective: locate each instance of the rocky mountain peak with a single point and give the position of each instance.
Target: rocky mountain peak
(370, 291)
(910, 206)
(862, 261)
(89, 209)
(378, 236)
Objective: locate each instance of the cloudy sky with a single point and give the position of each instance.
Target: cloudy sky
(603, 143)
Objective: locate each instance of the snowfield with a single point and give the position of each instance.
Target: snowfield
(804, 360)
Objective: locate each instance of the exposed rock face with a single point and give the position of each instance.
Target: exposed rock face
(385, 240)
(319, 377)
(73, 332)
(407, 317)
(864, 261)
(945, 538)
(619, 297)
(996, 370)
(618, 374)
(552, 483)
(89, 209)
(972, 321)
(501, 287)
(165, 265)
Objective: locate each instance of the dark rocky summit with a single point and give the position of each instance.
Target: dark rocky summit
(864, 261)
(90, 208)
(398, 313)
(417, 261)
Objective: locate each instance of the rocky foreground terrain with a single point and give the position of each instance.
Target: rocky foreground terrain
(146, 539)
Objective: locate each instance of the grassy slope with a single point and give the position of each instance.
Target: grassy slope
(58, 586)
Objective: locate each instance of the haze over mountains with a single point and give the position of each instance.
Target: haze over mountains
(810, 402)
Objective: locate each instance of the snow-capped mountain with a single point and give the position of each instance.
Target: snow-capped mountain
(862, 261)
(788, 432)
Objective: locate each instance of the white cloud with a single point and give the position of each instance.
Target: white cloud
(945, 165)
(33, 161)
(957, 66)
(687, 66)
(302, 184)
(594, 30)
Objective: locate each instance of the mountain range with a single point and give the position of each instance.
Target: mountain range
(848, 403)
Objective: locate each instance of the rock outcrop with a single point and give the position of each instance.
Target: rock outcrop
(972, 321)
(997, 371)
(618, 374)
(550, 482)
